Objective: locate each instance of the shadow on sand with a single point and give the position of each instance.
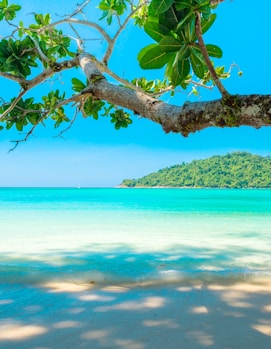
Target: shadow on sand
(184, 315)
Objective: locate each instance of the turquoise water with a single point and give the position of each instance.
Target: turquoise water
(133, 235)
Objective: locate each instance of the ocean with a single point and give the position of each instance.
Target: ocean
(139, 236)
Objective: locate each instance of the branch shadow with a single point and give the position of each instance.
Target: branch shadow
(190, 315)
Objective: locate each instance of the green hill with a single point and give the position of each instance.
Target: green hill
(234, 170)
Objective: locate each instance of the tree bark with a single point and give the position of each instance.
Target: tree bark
(233, 111)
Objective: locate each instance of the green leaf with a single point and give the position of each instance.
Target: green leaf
(183, 53)
(214, 51)
(160, 6)
(189, 16)
(170, 64)
(151, 57)
(14, 7)
(180, 71)
(182, 4)
(198, 65)
(77, 85)
(20, 124)
(170, 44)
(170, 18)
(189, 29)
(155, 30)
(207, 23)
(3, 4)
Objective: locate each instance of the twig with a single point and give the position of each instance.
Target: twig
(111, 43)
(80, 8)
(70, 125)
(78, 40)
(42, 55)
(13, 104)
(77, 21)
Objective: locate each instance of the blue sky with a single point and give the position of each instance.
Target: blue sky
(93, 153)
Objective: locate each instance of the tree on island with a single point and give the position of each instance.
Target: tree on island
(34, 53)
(233, 170)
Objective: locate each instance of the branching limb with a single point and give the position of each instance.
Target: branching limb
(15, 78)
(42, 55)
(80, 8)
(111, 44)
(55, 68)
(76, 21)
(104, 69)
(208, 62)
(29, 84)
(13, 104)
(78, 39)
(250, 110)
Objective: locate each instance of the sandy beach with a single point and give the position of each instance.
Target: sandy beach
(191, 316)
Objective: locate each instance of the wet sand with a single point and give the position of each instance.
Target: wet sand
(183, 315)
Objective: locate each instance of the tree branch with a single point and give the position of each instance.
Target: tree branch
(12, 105)
(55, 68)
(111, 44)
(29, 84)
(248, 110)
(208, 62)
(77, 21)
(15, 78)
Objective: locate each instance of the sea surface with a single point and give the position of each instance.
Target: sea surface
(119, 235)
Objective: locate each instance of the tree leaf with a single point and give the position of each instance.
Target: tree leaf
(160, 6)
(151, 57)
(77, 85)
(189, 16)
(170, 18)
(214, 51)
(198, 65)
(14, 7)
(182, 4)
(180, 71)
(183, 53)
(207, 23)
(155, 30)
(170, 44)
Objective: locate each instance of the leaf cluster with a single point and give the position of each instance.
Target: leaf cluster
(8, 12)
(51, 41)
(39, 42)
(26, 111)
(51, 107)
(17, 56)
(112, 8)
(93, 107)
(171, 23)
(151, 86)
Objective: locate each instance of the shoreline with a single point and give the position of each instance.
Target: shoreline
(193, 315)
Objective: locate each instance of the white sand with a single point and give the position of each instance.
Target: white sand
(64, 315)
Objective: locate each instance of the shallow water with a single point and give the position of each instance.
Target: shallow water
(133, 235)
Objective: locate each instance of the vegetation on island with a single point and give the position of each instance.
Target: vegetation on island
(37, 50)
(234, 170)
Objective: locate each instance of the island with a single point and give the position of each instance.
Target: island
(233, 170)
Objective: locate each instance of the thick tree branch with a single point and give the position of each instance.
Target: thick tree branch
(250, 110)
